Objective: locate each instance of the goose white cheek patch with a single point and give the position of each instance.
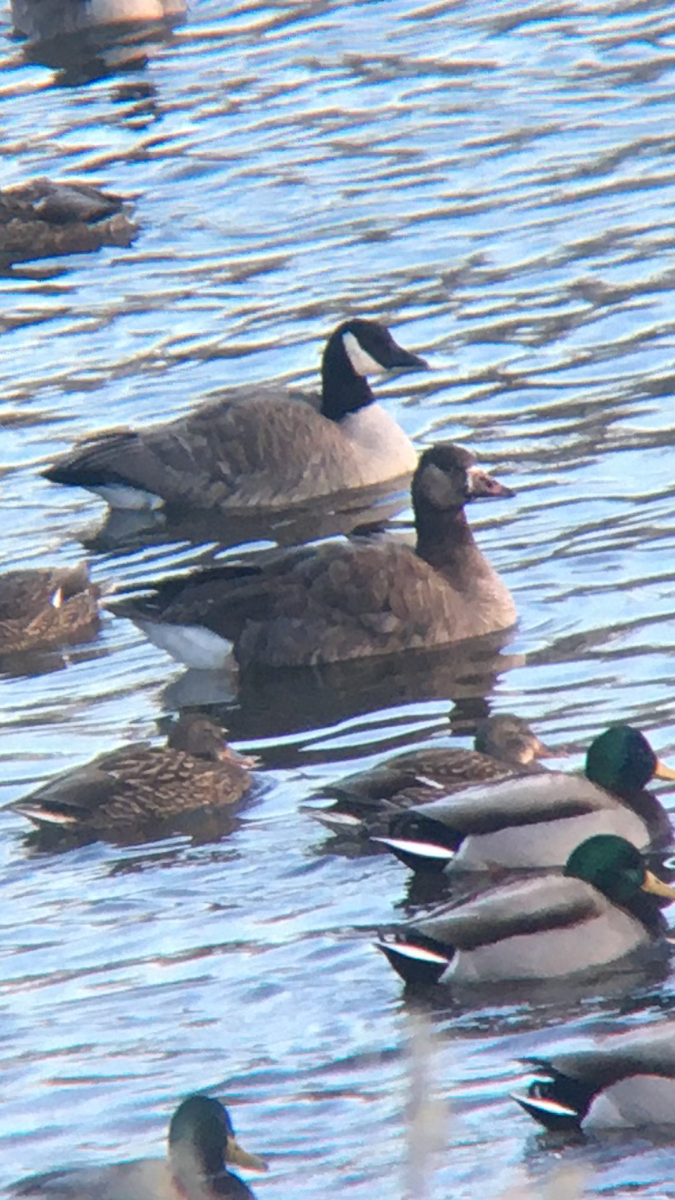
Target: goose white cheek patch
(361, 361)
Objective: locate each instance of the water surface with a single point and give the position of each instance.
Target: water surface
(495, 182)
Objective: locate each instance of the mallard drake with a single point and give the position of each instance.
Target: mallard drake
(142, 785)
(366, 802)
(263, 451)
(553, 925)
(537, 821)
(320, 604)
(201, 1145)
(46, 607)
(42, 218)
(624, 1081)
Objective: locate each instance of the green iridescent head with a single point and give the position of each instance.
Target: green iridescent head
(614, 867)
(622, 761)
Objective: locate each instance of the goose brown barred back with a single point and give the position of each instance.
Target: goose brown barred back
(260, 450)
(327, 603)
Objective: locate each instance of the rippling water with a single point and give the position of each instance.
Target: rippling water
(495, 181)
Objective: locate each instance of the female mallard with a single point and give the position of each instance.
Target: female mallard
(201, 1145)
(537, 821)
(42, 218)
(549, 926)
(504, 746)
(140, 785)
(45, 607)
(262, 450)
(625, 1081)
(321, 604)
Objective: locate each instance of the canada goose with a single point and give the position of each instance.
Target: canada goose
(366, 802)
(141, 785)
(42, 218)
(265, 451)
(537, 821)
(545, 927)
(623, 1081)
(320, 604)
(201, 1145)
(45, 607)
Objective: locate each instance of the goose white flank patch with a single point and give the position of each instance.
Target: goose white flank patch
(259, 450)
(337, 601)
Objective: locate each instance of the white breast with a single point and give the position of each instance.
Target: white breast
(380, 443)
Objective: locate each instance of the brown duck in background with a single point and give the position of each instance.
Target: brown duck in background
(343, 600)
(139, 786)
(41, 218)
(43, 608)
(504, 746)
(201, 1146)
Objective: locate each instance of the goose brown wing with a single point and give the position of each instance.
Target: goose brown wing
(266, 450)
(350, 601)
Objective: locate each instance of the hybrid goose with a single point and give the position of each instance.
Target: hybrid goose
(537, 821)
(593, 914)
(624, 1081)
(264, 451)
(42, 218)
(201, 1146)
(366, 803)
(337, 601)
(42, 608)
(141, 785)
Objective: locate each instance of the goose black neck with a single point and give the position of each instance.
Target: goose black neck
(343, 391)
(443, 536)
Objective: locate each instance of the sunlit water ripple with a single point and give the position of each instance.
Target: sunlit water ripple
(496, 182)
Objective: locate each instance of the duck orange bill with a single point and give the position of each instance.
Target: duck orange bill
(661, 771)
(656, 886)
(241, 1158)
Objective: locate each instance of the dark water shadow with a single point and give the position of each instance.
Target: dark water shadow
(200, 828)
(64, 35)
(274, 703)
(366, 511)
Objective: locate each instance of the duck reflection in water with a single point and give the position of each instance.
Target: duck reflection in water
(85, 40)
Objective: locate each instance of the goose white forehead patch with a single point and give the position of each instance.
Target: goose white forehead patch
(362, 362)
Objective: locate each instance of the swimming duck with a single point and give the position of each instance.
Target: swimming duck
(265, 451)
(624, 1081)
(594, 913)
(41, 218)
(141, 785)
(504, 746)
(320, 604)
(538, 820)
(201, 1145)
(45, 607)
